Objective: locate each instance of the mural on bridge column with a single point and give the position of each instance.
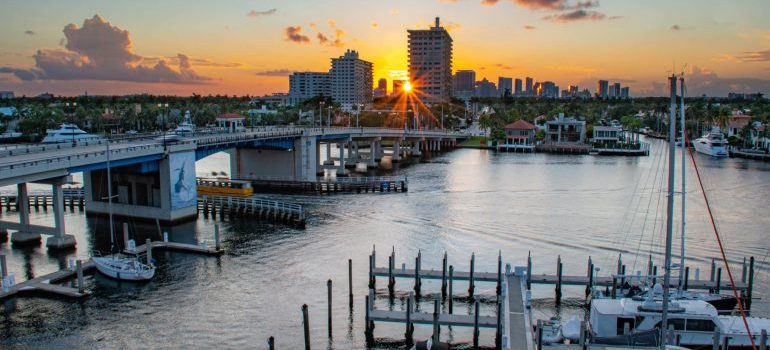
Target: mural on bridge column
(183, 193)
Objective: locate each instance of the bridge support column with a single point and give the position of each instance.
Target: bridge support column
(377, 151)
(328, 160)
(396, 151)
(60, 240)
(23, 237)
(372, 162)
(341, 168)
(416, 148)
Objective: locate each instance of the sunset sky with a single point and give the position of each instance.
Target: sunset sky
(249, 47)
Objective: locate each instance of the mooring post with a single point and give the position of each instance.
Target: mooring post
(499, 326)
(371, 272)
(713, 269)
(471, 285)
(614, 287)
(409, 326)
(582, 340)
(271, 343)
(725, 343)
(79, 266)
(148, 250)
(451, 282)
(655, 275)
(558, 279)
(649, 266)
(306, 326)
(499, 273)
(539, 334)
(686, 277)
(718, 284)
(763, 340)
(622, 276)
(590, 279)
(391, 280)
(3, 266)
(476, 324)
(716, 339)
(216, 236)
(620, 263)
(750, 287)
(529, 270)
(443, 276)
(436, 328)
(350, 282)
(743, 270)
(369, 332)
(329, 298)
(417, 276)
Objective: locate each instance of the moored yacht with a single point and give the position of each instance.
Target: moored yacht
(68, 133)
(186, 126)
(713, 144)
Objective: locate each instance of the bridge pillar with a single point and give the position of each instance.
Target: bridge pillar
(416, 151)
(24, 237)
(60, 240)
(307, 154)
(341, 168)
(329, 160)
(377, 151)
(396, 150)
(352, 154)
(372, 162)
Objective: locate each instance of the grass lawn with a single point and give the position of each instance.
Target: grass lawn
(474, 142)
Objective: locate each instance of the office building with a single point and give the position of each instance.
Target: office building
(517, 87)
(430, 63)
(602, 89)
(351, 80)
(504, 86)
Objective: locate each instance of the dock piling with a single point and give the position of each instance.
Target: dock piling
(350, 282)
(391, 279)
(763, 340)
(499, 328)
(750, 288)
(558, 279)
(716, 339)
(713, 269)
(79, 266)
(743, 270)
(371, 272)
(539, 334)
(417, 281)
(718, 284)
(443, 276)
(148, 244)
(451, 282)
(649, 265)
(329, 297)
(590, 278)
(3, 266)
(471, 285)
(306, 326)
(436, 328)
(529, 270)
(582, 340)
(271, 343)
(216, 236)
(125, 234)
(409, 325)
(476, 324)
(620, 263)
(499, 273)
(623, 276)
(686, 277)
(369, 332)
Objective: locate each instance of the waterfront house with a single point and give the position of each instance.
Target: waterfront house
(232, 122)
(738, 121)
(565, 130)
(519, 135)
(608, 134)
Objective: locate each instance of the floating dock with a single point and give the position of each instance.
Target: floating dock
(46, 284)
(292, 214)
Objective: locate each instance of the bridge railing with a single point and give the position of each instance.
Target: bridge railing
(249, 136)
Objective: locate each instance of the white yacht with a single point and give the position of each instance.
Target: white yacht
(67, 133)
(713, 144)
(633, 322)
(186, 126)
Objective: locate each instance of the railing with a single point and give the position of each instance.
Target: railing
(256, 203)
(364, 179)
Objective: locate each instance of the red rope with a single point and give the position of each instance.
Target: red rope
(719, 240)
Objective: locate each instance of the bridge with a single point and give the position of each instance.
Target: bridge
(155, 180)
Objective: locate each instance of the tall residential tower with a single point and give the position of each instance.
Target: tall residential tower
(351, 80)
(430, 63)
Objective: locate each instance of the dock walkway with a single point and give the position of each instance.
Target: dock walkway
(46, 284)
(518, 317)
(289, 213)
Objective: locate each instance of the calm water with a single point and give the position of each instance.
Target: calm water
(460, 202)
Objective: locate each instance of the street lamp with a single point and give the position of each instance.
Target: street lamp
(320, 113)
(329, 116)
(161, 107)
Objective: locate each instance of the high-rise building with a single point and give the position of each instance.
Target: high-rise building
(528, 91)
(616, 90)
(464, 84)
(306, 85)
(351, 80)
(504, 86)
(625, 92)
(486, 88)
(398, 86)
(430, 63)
(382, 88)
(547, 89)
(517, 87)
(602, 89)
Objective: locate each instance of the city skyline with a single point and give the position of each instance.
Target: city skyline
(251, 47)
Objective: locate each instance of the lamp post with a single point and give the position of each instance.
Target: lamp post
(163, 108)
(320, 113)
(329, 116)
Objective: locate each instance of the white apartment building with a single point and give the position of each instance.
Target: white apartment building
(351, 80)
(306, 85)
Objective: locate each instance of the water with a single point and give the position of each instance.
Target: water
(461, 202)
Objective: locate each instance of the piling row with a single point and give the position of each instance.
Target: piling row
(330, 187)
(37, 201)
(290, 214)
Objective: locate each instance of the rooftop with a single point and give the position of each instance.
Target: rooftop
(520, 124)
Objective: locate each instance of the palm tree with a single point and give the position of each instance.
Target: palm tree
(721, 117)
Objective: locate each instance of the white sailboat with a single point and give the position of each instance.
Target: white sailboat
(116, 265)
(712, 143)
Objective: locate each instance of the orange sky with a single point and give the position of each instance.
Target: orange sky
(244, 47)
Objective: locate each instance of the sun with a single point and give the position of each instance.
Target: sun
(407, 86)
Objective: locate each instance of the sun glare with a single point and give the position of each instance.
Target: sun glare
(407, 86)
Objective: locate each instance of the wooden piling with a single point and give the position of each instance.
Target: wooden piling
(471, 284)
(499, 328)
(713, 269)
(582, 341)
(436, 328)
(590, 279)
(350, 282)
(369, 331)
(409, 326)
(329, 298)
(558, 280)
(371, 272)
(443, 276)
(271, 343)
(539, 334)
(3, 266)
(716, 339)
(417, 276)
(718, 284)
(148, 244)
(655, 274)
(623, 276)
(686, 277)
(499, 273)
(306, 326)
(79, 267)
(451, 282)
(476, 325)
(529, 270)
(743, 271)
(649, 265)
(620, 263)
(216, 236)
(750, 287)
(763, 340)
(391, 279)
(614, 287)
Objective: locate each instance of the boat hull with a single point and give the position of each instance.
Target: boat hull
(105, 267)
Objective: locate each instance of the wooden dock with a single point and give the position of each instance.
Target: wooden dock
(204, 248)
(73, 197)
(288, 213)
(518, 317)
(46, 285)
(351, 184)
(426, 318)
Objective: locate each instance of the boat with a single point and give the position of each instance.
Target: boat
(224, 187)
(552, 331)
(119, 266)
(186, 126)
(570, 330)
(68, 133)
(712, 143)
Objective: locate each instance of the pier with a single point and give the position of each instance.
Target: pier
(322, 185)
(288, 213)
(46, 284)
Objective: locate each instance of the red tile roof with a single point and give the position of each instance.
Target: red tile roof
(520, 124)
(230, 116)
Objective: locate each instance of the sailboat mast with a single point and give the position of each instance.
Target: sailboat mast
(670, 211)
(109, 197)
(684, 183)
